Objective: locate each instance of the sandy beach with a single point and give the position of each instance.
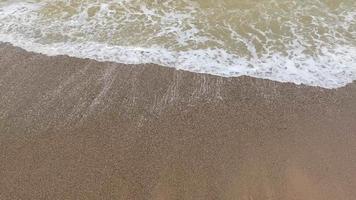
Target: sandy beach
(80, 129)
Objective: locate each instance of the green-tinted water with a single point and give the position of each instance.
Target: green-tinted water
(238, 35)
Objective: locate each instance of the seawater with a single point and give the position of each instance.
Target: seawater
(309, 42)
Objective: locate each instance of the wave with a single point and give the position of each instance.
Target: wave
(308, 44)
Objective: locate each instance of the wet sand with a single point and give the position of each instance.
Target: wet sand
(80, 129)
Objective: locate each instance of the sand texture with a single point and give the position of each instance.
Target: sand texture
(80, 129)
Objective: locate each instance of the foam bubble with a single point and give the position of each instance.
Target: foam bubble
(317, 50)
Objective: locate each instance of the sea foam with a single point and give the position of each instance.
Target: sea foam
(174, 38)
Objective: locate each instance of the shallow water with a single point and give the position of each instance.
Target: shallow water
(311, 42)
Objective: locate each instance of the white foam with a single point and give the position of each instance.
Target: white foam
(334, 66)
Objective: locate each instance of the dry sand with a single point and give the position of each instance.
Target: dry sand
(80, 129)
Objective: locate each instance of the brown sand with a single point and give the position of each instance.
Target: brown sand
(80, 129)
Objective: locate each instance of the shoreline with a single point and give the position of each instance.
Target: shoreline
(75, 128)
